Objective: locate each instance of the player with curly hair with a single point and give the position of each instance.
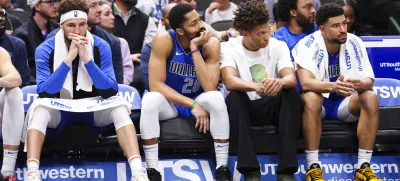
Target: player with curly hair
(74, 69)
(258, 72)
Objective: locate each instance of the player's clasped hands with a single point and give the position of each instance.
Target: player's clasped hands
(269, 87)
(78, 47)
(343, 87)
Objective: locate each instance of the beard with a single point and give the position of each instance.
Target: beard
(338, 41)
(304, 23)
(130, 3)
(192, 36)
(198, 33)
(46, 16)
(3, 31)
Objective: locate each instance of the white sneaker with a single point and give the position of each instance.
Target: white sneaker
(33, 175)
(139, 175)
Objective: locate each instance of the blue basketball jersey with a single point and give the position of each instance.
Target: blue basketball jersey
(181, 74)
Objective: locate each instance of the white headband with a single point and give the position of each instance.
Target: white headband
(74, 14)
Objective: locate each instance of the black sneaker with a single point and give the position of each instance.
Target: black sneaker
(223, 174)
(153, 174)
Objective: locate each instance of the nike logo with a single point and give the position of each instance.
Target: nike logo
(176, 53)
(369, 151)
(220, 146)
(149, 148)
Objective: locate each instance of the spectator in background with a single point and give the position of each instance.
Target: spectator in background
(17, 50)
(22, 4)
(190, 2)
(15, 4)
(7, 5)
(353, 19)
(11, 22)
(146, 51)
(375, 15)
(300, 18)
(270, 5)
(220, 10)
(14, 14)
(221, 35)
(146, 6)
(94, 19)
(137, 29)
(35, 31)
(107, 23)
(278, 22)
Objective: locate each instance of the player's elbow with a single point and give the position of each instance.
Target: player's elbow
(230, 83)
(155, 86)
(16, 81)
(209, 86)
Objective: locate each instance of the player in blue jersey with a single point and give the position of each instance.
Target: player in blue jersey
(74, 64)
(300, 18)
(183, 77)
(348, 78)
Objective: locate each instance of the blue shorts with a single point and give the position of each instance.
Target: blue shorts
(337, 109)
(331, 107)
(183, 111)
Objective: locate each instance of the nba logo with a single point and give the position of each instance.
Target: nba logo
(75, 13)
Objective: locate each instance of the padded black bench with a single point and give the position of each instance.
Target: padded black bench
(178, 135)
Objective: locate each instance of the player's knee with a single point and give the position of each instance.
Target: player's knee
(216, 101)
(14, 94)
(369, 100)
(152, 101)
(40, 120)
(120, 116)
(312, 102)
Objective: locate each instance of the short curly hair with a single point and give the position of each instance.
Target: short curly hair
(327, 11)
(176, 16)
(69, 5)
(284, 7)
(250, 14)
